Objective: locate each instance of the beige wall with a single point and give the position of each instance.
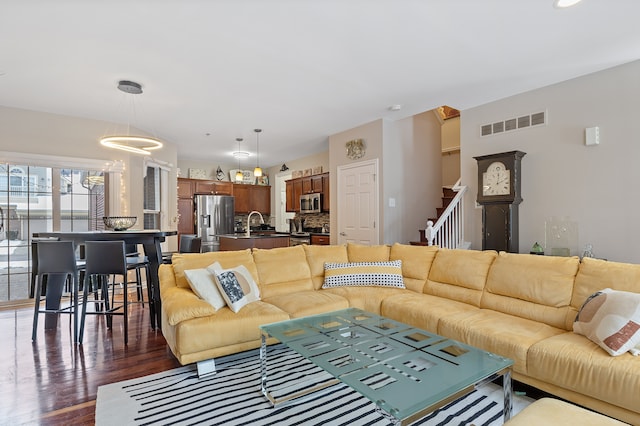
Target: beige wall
(408, 152)
(31, 132)
(594, 186)
(412, 176)
(372, 133)
(450, 151)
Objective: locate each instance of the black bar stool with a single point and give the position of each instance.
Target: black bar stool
(55, 257)
(189, 243)
(104, 258)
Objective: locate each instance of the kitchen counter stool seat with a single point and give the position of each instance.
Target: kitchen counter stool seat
(104, 259)
(56, 257)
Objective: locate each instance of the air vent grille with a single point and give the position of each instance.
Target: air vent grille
(510, 124)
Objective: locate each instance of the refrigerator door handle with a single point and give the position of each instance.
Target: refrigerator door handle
(205, 220)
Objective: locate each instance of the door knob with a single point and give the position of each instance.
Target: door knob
(343, 234)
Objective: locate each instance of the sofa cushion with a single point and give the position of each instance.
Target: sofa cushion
(611, 319)
(282, 270)
(310, 302)
(203, 283)
(596, 274)
(460, 274)
(317, 255)
(236, 285)
(367, 298)
(206, 337)
(362, 253)
(506, 335)
(550, 411)
(382, 274)
(421, 310)
(416, 263)
(573, 362)
(228, 259)
(533, 287)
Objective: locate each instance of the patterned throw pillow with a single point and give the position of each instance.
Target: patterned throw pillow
(611, 319)
(203, 283)
(236, 285)
(384, 274)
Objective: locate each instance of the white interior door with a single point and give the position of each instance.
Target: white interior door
(358, 211)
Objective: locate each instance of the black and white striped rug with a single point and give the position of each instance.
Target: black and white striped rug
(232, 396)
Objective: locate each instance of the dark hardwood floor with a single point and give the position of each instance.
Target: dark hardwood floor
(54, 382)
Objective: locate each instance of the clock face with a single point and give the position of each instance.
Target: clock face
(496, 180)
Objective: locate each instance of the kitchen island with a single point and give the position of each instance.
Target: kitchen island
(263, 240)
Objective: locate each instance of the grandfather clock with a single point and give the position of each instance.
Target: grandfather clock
(499, 178)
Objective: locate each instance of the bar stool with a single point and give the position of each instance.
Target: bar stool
(104, 258)
(189, 243)
(34, 265)
(55, 257)
(137, 262)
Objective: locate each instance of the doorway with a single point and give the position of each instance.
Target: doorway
(358, 208)
(282, 216)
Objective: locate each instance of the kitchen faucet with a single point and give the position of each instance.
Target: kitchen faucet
(249, 221)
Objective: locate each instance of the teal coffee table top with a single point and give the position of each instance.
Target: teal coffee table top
(406, 371)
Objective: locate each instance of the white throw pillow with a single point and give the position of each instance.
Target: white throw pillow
(236, 285)
(611, 319)
(203, 283)
(382, 274)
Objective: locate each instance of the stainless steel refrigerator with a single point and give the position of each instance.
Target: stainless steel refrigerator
(214, 216)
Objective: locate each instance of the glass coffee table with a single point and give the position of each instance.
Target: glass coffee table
(405, 371)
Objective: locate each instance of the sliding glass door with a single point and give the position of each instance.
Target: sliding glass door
(36, 199)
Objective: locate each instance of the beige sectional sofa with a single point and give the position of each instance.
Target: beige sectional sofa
(516, 305)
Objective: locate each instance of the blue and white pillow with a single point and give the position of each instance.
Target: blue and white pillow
(236, 285)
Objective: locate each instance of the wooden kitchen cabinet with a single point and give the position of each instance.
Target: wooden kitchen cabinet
(326, 199)
(320, 240)
(318, 184)
(252, 197)
(213, 187)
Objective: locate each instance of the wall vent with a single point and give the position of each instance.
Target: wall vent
(510, 124)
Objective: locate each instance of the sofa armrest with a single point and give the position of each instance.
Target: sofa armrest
(181, 304)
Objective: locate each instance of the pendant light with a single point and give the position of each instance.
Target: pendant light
(136, 144)
(257, 172)
(238, 154)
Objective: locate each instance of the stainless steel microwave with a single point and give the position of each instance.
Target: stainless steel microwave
(311, 203)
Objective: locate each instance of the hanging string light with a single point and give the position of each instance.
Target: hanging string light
(257, 172)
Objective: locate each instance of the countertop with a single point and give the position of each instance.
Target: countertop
(255, 234)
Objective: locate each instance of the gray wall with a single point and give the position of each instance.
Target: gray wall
(594, 186)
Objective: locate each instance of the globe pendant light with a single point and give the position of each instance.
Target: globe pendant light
(238, 155)
(257, 172)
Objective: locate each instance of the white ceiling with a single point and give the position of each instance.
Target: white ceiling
(299, 69)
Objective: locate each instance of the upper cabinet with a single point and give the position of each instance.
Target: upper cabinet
(212, 187)
(252, 197)
(317, 184)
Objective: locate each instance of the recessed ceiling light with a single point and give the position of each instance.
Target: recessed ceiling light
(396, 107)
(561, 4)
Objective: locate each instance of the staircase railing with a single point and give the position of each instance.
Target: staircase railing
(448, 231)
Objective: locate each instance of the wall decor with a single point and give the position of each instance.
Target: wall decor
(247, 176)
(220, 174)
(262, 180)
(307, 172)
(296, 174)
(317, 170)
(355, 149)
(197, 174)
